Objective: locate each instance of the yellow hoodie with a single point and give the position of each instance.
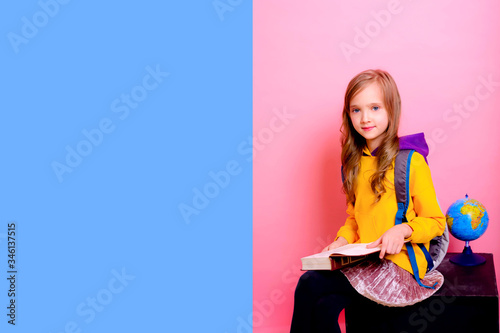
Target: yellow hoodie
(368, 221)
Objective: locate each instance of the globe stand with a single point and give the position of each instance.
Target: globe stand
(467, 257)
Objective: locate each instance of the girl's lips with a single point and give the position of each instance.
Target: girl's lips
(367, 128)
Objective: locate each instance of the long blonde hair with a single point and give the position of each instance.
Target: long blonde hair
(353, 143)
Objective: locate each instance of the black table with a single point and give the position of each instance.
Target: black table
(467, 302)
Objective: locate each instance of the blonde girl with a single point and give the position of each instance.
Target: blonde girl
(370, 143)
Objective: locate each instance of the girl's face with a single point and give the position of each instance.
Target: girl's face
(369, 116)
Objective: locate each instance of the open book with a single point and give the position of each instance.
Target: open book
(340, 257)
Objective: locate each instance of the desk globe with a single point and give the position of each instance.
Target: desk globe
(467, 220)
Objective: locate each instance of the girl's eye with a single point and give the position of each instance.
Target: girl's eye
(355, 110)
(375, 108)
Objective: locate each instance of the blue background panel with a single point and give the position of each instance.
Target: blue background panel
(114, 118)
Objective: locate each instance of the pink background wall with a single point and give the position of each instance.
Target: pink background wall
(441, 55)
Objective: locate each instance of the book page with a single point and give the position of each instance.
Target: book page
(358, 249)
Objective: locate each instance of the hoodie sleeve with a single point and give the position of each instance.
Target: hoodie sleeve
(428, 220)
(350, 228)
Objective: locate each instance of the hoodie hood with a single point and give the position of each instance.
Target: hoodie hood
(414, 141)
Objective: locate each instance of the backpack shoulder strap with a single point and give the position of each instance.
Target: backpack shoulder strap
(401, 182)
(402, 188)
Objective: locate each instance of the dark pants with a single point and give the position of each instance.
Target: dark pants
(320, 296)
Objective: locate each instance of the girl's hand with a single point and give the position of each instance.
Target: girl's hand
(392, 240)
(341, 241)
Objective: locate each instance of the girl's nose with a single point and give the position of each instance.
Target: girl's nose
(365, 117)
